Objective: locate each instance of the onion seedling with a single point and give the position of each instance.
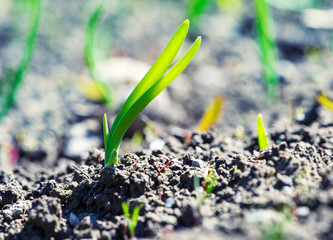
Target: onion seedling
(12, 78)
(262, 137)
(105, 91)
(207, 187)
(131, 222)
(212, 115)
(268, 50)
(152, 84)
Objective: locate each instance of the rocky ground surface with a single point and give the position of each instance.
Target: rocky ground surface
(282, 192)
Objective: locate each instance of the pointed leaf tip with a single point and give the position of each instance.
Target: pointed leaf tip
(198, 39)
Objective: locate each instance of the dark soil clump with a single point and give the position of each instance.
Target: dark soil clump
(285, 189)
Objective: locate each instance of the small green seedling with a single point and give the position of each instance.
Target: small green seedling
(68, 192)
(268, 50)
(131, 222)
(207, 187)
(12, 78)
(152, 84)
(262, 137)
(212, 115)
(105, 91)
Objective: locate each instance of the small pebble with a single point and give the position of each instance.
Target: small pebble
(170, 202)
(73, 220)
(197, 163)
(198, 149)
(286, 180)
(302, 211)
(157, 144)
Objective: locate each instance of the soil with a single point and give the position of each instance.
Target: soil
(55, 185)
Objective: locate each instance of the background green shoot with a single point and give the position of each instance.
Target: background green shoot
(105, 90)
(268, 50)
(194, 11)
(131, 222)
(12, 78)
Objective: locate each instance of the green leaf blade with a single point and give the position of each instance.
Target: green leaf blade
(137, 107)
(268, 50)
(156, 71)
(262, 137)
(13, 78)
(105, 132)
(125, 210)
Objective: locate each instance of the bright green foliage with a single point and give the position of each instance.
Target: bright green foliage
(268, 50)
(131, 222)
(12, 78)
(262, 137)
(152, 84)
(105, 90)
(208, 187)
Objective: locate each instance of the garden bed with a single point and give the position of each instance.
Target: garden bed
(59, 187)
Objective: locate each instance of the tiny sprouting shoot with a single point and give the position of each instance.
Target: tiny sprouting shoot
(212, 115)
(152, 84)
(131, 222)
(203, 192)
(262, 137)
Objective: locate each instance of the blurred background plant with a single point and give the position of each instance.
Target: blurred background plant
(12, 78)
(98, 89)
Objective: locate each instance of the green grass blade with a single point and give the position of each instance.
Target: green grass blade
(12, 79)
(126, 211)
(156, 71)
(262, 137)
(135, 216)
(105, 131)
(268, 50)
(210, 187)
(89, 43)
(208, 178)
(146, 98)
(106, 91)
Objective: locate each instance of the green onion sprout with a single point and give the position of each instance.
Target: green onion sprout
(262, 137)
(152, 84)
(131, 222)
